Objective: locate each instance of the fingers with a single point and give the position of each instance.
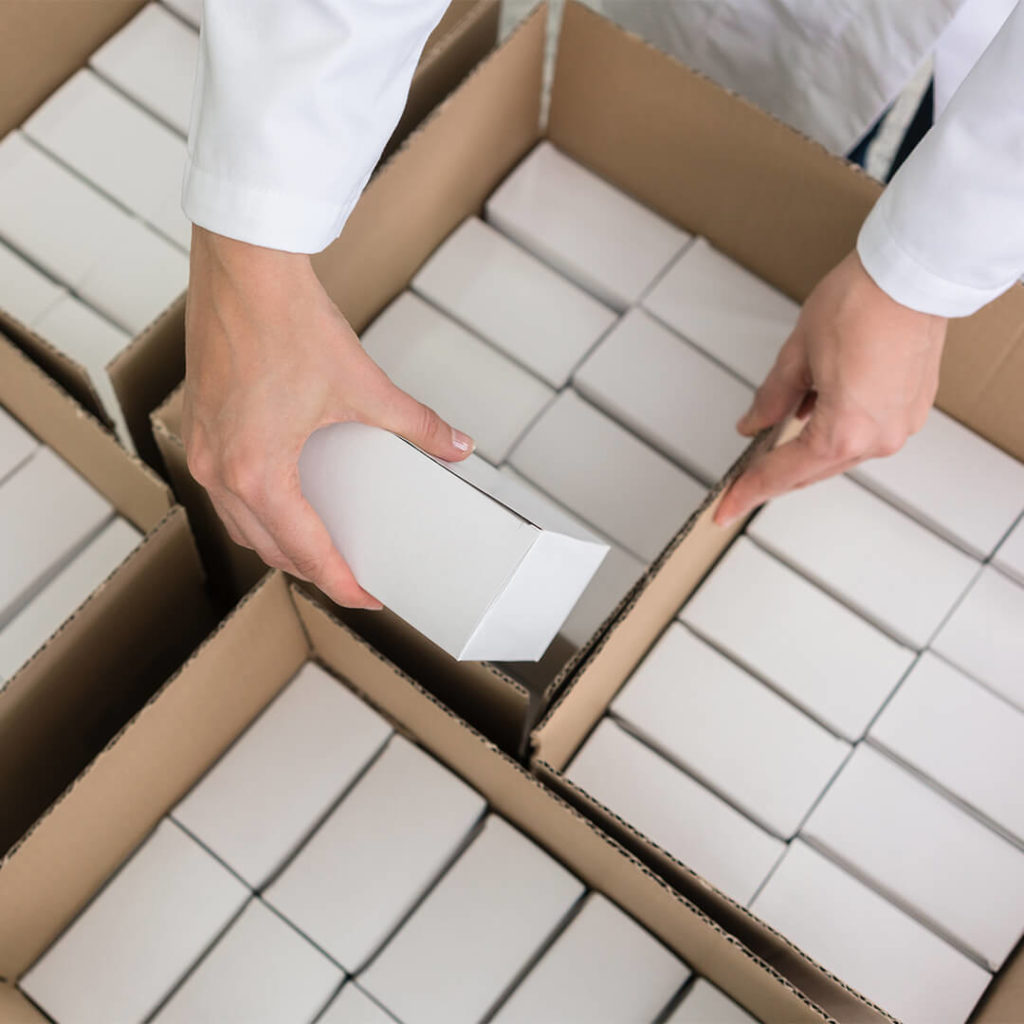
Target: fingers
(402, 414)
(784, 389)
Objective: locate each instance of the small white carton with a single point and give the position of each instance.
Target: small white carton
(705, 1004)
(261, 971)
(513, 300)
(473, 386)
(353, 1006)
(475, 932)
(960, 735)
(190, 10)
(658, 799)
(804, 643)
(603, 967)
(17, 445)
(873, 557)
(608, 477)
(258, 803)
(446, 546)
(730, 731)
(377, 853)
(1010, 555)
(601, 238)
(135, 941)
(725, 310)
(25, 292)
(669, 393)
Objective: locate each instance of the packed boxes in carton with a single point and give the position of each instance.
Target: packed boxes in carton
(1010, 555)
(255, 807)
(803, 642)
(17, 445)
(134, 942)
(606, 241)
(705, 1004)
(729, 730)
(513, 300)
(869, 943)
(24, 291)
(654, 796)
(353, 1006)
(377, 853)
(476, 931)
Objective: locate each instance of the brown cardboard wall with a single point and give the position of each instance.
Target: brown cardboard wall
(16, 1009)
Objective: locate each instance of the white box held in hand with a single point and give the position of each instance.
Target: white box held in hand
(585, 228)
(135, 941)
(705, 1004)
(17, 445)
(25, 293)
(353, 1006)
(867, 942)
(258, 803)
(376, 854)
(513, 300)
(477, 929)
(444, 545)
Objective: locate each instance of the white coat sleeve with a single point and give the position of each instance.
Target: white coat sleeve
(947, 235)
(294, 102)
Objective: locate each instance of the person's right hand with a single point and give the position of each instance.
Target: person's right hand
(269, 360)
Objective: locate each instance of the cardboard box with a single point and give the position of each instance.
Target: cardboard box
(961, 737)
(353, 1006)
(513, 300)
(376, 854)
(140, 935)
(258, 804)
(587, 229)
(603, 966)
(705, 1004)
(729, 730)
(1009, 556)
(26, 292)
(668, 393)
(17, 445)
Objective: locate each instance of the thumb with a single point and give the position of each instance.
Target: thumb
(422, 426)
(783, 390)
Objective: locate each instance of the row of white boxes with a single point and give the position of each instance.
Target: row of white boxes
(327, 861)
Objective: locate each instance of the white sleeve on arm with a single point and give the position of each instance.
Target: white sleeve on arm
(947, 235)
(295, 100)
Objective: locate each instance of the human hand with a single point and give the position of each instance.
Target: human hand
(863, 371)
(269, 360)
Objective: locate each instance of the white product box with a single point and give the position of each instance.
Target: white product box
(730, 731)
(961, 736)
(353, 1006)
(190, 10)
(45, 613)
(129, 947)
(17, 445)
(25, 292)
(872, 945)
(985, 635)
(117, 146)
(153, 59)
(475, 932)
(47, 514)
(513, 300)
(923, 852)
(603, 967)
(1010, 555)
(669, 393)
(725, 310)
(377, 853)
(608, 477)
(585, 228)
(261, 971)
(808, 646)
(445, 546)
(258, 803)
(705, 1004)
(870, 555)
(661, 801)
(466, 381)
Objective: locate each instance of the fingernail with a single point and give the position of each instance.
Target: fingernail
(462, 441)
(375, 607)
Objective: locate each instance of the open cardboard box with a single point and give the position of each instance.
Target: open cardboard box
(41, 45)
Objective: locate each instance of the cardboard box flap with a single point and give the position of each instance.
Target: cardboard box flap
(16, 1009)
(1003, 1003)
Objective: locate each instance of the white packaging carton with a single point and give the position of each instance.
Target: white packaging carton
(985, 635)
(513, 300)
(661, 801)
(730, 731)
(377, 853)
(475, 932)
(962, 737)
(804, 643)
(669, 393)
(1010, 555)
(873, 557)
(467, 382)
(872, 945)
(190, 10)
(134, 942)
(153, 59)
(445, 546)
(353, 1006)
(25, 293)
(608, 477)
(603, 967)
(17, 445)
(585, 228)
(261, 971)
(258, 803)
(705, 1004)
(725, 310)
